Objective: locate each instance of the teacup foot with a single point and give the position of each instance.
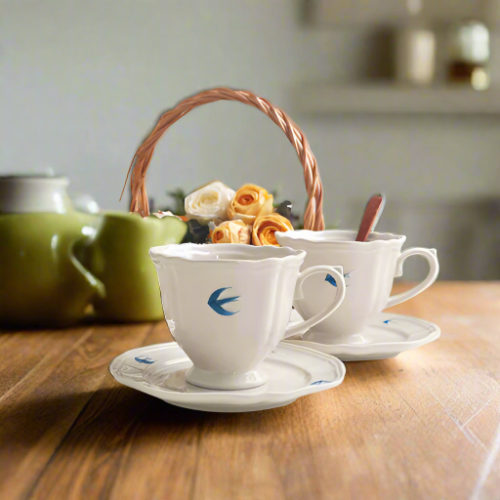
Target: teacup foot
(224, 382)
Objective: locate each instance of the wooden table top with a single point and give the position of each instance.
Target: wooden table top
(423, 425)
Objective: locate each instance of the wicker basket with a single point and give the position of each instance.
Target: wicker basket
(313, 217)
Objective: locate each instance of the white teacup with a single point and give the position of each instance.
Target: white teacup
(369, 270)
(228, 306)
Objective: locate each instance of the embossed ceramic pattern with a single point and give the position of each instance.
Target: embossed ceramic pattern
(369, 270)
(385, 336)
(293, 372)
(228, 306)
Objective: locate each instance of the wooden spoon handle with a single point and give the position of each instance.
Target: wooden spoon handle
(369, 218)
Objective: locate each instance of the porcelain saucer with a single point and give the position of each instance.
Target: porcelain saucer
(293, 371)
(386, 336)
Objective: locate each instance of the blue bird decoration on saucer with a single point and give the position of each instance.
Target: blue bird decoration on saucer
(145, 359)
(216, 304)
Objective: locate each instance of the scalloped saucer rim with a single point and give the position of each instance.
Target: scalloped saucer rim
(366, 348)
(294, 371)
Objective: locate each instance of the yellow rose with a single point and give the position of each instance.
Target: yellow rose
(233, 231)
(250, 202)
(265, 227)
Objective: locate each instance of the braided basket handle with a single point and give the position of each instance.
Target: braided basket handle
(313, 217)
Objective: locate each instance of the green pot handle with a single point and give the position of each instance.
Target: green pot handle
(95, 284)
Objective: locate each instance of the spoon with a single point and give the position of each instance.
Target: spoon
(373, 211)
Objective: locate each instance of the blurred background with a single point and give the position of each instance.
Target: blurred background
(394, 96)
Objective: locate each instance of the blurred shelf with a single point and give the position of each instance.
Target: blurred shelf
(393, 99)
(361, 13)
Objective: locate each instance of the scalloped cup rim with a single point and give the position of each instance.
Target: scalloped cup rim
(230, 252)
(327, 236)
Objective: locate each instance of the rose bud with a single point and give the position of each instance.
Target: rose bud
(233, 231)
(250, 202)
(265, 227)
(209, 202)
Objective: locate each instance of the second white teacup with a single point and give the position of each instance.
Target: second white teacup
(228, 306)
(370, 268)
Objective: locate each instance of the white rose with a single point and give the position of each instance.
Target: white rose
(209, 202)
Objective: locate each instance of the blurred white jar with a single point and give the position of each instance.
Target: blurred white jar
(415, 56)
(415, 48)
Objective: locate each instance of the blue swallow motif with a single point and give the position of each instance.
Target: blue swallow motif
(332, 281)
(216, 304)
(387, 321)
(319, 382)
(145, 359)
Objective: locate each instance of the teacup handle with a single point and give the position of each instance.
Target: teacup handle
(338, 275)
(428, 253)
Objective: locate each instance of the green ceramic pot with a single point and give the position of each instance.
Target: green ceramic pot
(118, 256)
(42, 284)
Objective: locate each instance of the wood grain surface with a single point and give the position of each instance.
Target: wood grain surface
(424, 425)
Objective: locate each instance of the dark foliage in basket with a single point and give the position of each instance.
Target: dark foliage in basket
(197, 233)
(178, 195)
(285, 209)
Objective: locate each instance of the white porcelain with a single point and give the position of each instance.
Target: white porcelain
(228, 306)
(160, 371)
(37, 193)
(369, 270)
(85, 203)
(385, 336)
